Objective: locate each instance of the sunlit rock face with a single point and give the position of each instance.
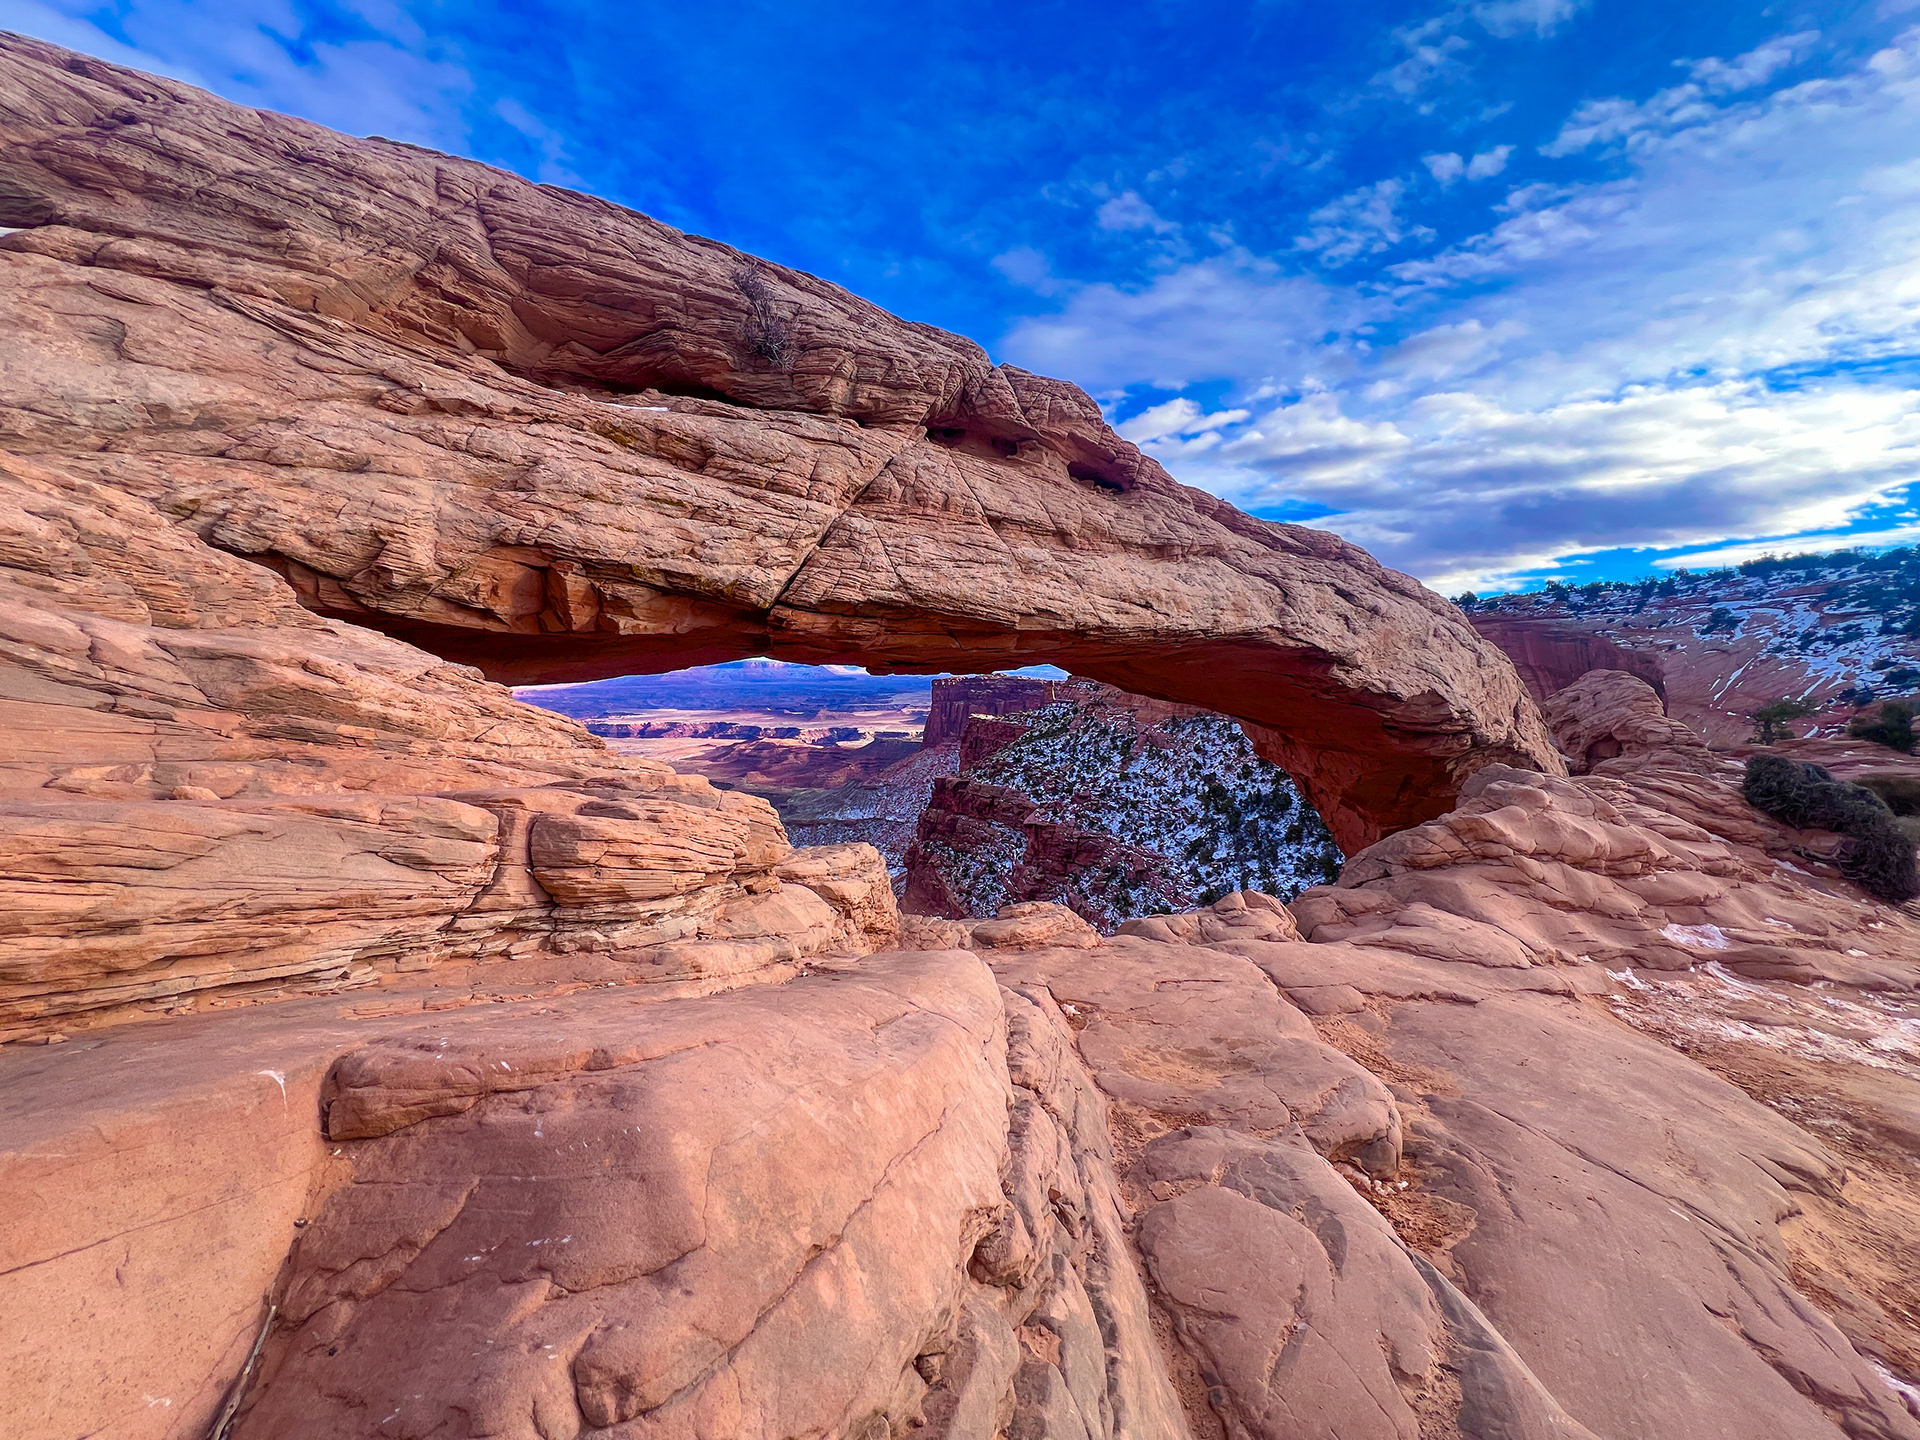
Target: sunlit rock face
(487, 1083)
(535, 433)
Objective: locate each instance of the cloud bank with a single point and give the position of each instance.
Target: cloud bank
(1706, 333)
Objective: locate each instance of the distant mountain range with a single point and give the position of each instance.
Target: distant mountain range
(769, 685)
(772, 686)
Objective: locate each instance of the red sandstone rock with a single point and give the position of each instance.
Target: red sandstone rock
(481, 418)
(633, 1211)
(1717, 652)
(1606, 714)
(504, 1187)
(1550, 656)
(1535, 871)
(957, 700)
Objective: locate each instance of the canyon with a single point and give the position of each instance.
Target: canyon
(1826, 630)
(385, 1056)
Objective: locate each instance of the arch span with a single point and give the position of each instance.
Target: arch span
(537, 433)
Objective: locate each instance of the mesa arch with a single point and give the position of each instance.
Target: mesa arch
(533, 432)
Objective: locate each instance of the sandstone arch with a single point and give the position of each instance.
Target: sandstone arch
(534, 432)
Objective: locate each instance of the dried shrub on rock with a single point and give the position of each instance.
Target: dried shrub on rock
(1877, 856)
(769, 338)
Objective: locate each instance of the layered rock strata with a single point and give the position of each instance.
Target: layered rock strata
(533, 432)
(207, 793)
(1491, 1138)
(1203, 1177)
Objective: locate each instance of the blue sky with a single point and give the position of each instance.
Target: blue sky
(1501, 289)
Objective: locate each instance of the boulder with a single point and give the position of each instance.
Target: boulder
(1607, 714)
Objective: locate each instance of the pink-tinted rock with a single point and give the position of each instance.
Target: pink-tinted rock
(1607, 714)
(660, 1191)
(533, 432)
(1534, 870)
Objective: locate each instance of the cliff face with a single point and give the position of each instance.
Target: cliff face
(1113, 806)
(957, 700)
(1550, 655)
(383, 1055)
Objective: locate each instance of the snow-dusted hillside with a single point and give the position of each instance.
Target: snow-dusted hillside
(1833, 630)
(1195, 812)
(882, 811)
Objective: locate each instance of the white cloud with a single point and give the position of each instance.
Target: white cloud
(1029, 269)
(1449, 350)
(1230, 314)
(1431, 57)
(1813, 540)
(76, 32)
(1462, 489)
(1180, 416)
(1449, 167)
(1489, 162)
(1129, 212)
(1599, 122)
(1670, 357)
(398, 81)
(1725, 77)
(1436, 50)
(1361, 222)
(551, 144)
(1515, 17)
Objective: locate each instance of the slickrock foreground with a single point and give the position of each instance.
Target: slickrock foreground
(484, 1083)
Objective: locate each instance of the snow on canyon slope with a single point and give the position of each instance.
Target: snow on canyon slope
(1833, 630)
(1114, 806)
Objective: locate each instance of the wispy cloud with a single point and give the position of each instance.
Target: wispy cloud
(1600, 122)
(1516, 17)
(1361, 222)
(1694, 350)
(1129, 212)
(1449, 167)
(1807, 541)
(1437, 50)
(551, 144)
(1232, 314)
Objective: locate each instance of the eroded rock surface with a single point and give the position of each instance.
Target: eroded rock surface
(1607, 714)
(529, 1091)
(1446, 1177)
(861, 1202)
(533, 432)
(207, 792)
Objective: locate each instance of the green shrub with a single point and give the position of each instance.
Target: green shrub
(1892, 727)
(1770, 721)
(1878, 855)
